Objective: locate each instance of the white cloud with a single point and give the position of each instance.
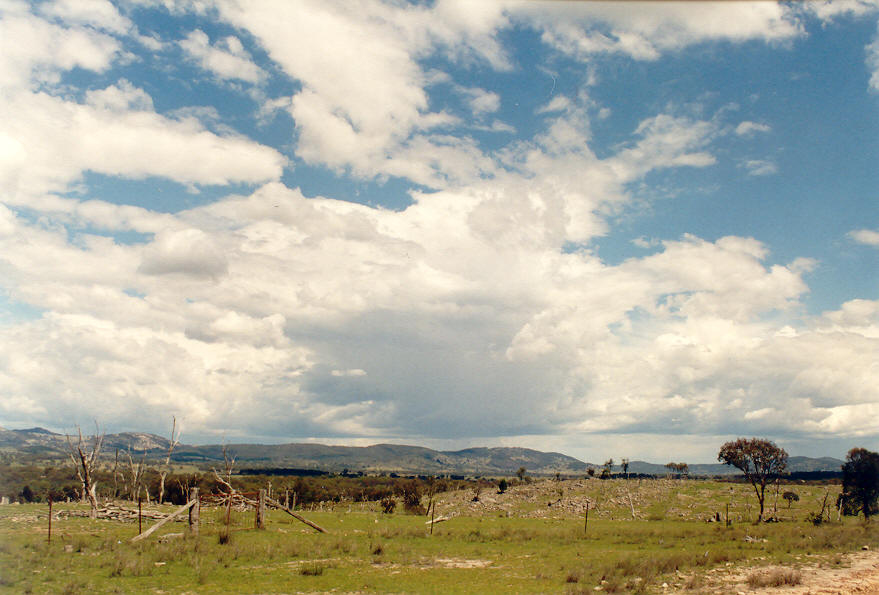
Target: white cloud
(227, 59)
(463, 315)
(748, 128)
(760, 167)
(48, 141)
(97, 13)
(557, 104)
(33, 51)
(277, 306)
(482, 101)
(865, 236)
(646, 30)
(872, 51)
(828, 10)
(188, 251)
(51, 142)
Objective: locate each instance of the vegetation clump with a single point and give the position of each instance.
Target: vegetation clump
(860, 483)
(777, 577)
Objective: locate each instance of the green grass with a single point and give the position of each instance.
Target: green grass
(369, 551)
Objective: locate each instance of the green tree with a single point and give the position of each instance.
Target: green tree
(860, 481)
(759, 460)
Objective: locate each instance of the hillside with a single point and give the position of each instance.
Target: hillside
(39, 444)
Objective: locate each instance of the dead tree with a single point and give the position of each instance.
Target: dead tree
(135, 471)
(226, 478)
(175, 440)
(116, 474)
(229, 464)
(84, 459)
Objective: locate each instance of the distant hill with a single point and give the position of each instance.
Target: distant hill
(794, 465)
(39, 444)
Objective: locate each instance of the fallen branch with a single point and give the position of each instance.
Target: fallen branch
(274, 503)
(171, 516)
(437, 520)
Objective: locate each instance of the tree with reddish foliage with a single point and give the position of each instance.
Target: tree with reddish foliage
(759, 460)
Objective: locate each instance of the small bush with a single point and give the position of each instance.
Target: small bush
(816, 518)
(313, 569)
(777, 577)
(388, 505)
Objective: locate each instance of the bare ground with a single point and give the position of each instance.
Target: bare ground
(856, 573)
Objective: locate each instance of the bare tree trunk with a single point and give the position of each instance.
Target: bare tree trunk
(115, 475)
(175, 440)
(136, 470)
(84, 460)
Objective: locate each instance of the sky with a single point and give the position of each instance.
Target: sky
(604, 229)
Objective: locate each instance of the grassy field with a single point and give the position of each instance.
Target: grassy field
(505, 542)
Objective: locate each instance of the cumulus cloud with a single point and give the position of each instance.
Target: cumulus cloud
(645, 30)
(34, 52)
(188, 251)
(227, 59)
(97, 13)
(52, 140)
(868, 237)
(464, 315)
(828, 10)
(482, 101)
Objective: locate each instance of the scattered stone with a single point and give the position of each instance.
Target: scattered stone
(169, 537)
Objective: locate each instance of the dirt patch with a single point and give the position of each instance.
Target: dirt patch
(461, 563)
(855, 573)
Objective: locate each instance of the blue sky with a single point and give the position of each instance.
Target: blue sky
(583, 227)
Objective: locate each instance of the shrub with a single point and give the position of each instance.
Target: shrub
(313, 569)
(777, 577)
(388, 505)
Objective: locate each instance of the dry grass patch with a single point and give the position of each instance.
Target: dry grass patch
(775, 577)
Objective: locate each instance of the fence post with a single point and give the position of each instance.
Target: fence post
(261, 510)
(49, 540)
(586, 518)
(139, 517)
(194, 511)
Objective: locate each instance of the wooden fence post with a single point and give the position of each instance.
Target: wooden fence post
(139, 521)
(194, 511)
(261, 510)
(586, 518)
(49, 539)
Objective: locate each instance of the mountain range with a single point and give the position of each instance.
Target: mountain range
(39, 444)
